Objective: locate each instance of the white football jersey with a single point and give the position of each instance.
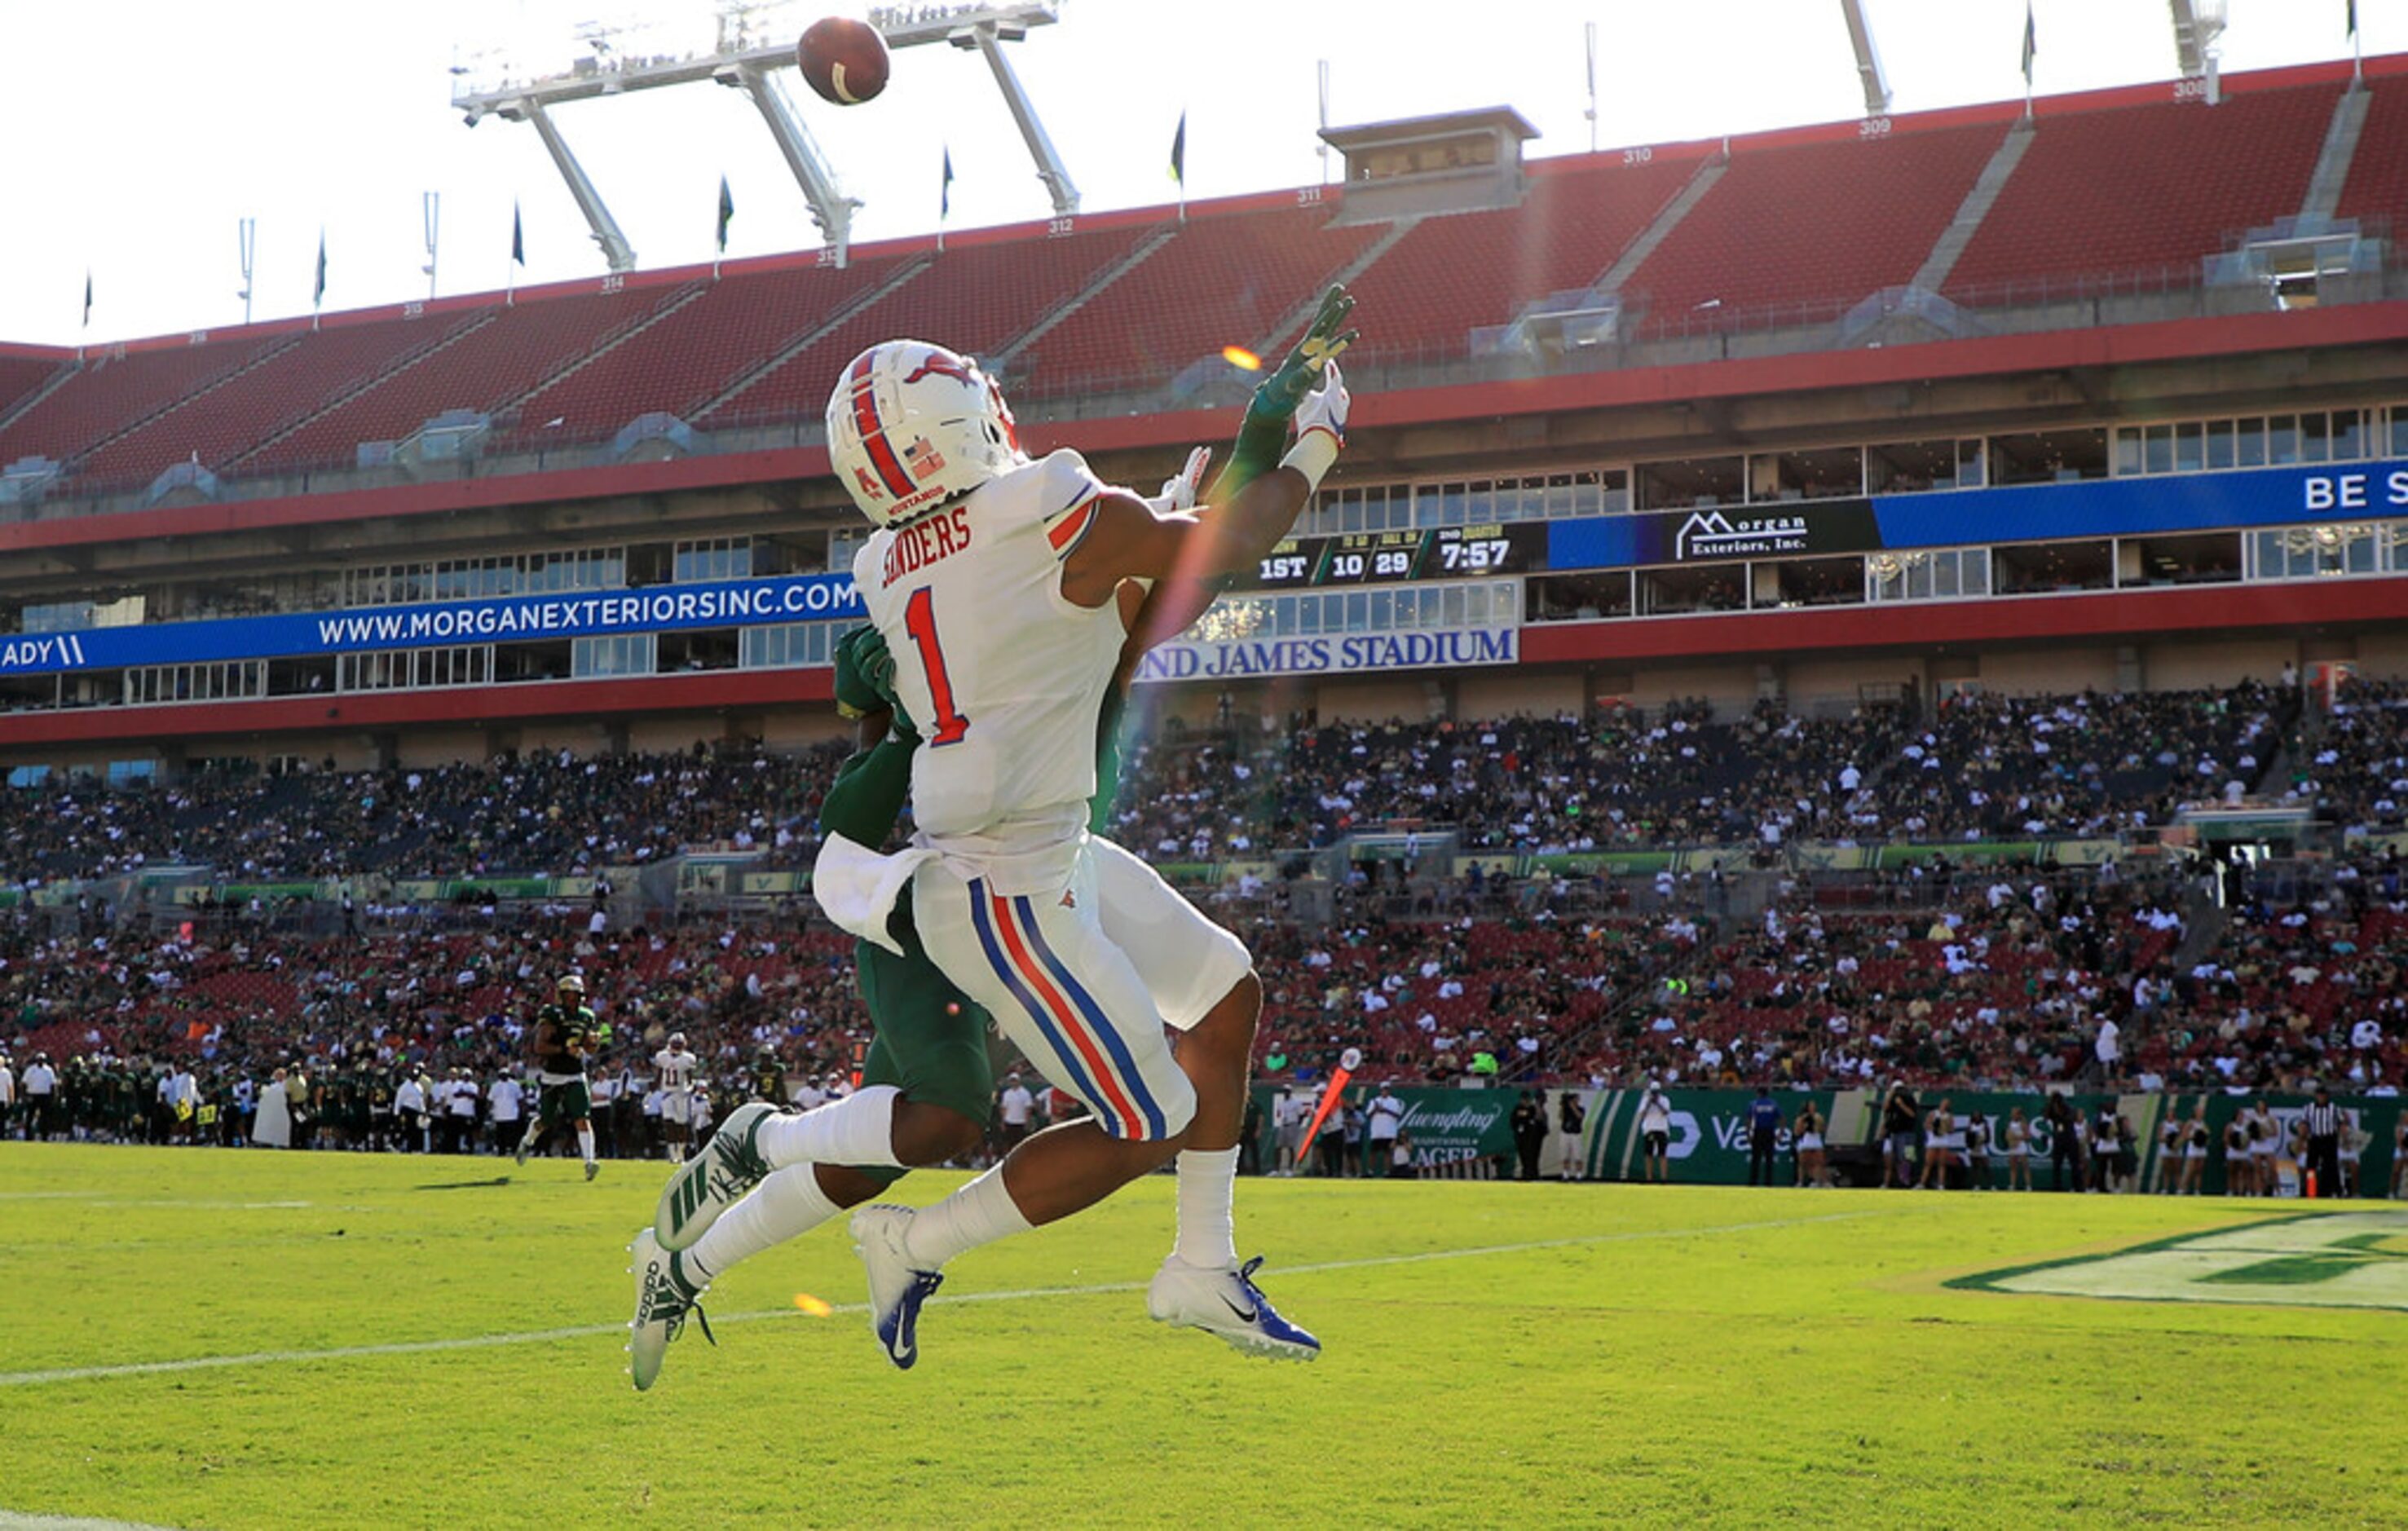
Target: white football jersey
(1003, 674)
(676, 1070)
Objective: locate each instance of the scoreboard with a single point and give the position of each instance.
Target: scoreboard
(1386, 558)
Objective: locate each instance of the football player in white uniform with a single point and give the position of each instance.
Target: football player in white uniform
(674, 1065)
(1192, 970)
(997, 583)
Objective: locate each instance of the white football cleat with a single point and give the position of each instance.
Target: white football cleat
(664, 1297)
(896, 1287)
(1226, 1303)
(714, 1178)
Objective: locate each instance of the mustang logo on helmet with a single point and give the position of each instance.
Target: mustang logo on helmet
(947, 365)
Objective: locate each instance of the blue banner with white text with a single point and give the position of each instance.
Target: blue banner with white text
(516, 619)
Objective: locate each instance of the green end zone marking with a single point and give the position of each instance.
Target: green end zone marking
(2323, 1259)
(2291, 1270)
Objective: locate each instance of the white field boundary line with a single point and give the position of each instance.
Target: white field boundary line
(11, 1520)
(590, 1331)
(106, 1199)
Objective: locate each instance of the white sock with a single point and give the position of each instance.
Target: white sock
(979, 1213)
(857, 1130)
(535, 1130)
(585, 1143)
(788, 1203)
(1207, 1219)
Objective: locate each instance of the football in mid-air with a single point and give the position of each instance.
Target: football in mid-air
(843, 60)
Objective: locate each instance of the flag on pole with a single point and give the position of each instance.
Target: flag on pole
(2031, 45)
(518, 237)
(2353, 18)
(1179, 164)
(318, 293)
(944, 199)
(87, 297)
(726, 213)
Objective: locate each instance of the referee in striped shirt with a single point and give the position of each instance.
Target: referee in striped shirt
(2323, 1120)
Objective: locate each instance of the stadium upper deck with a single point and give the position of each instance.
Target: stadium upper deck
(1744, 384)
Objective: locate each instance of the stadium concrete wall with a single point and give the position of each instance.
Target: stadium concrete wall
(1510, 695)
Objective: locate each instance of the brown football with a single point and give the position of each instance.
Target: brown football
(843, 60)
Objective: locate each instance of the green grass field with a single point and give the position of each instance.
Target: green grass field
(374, 1342)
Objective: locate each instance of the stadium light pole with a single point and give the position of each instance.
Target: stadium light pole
(2197, 25)
(617, 65)
(430, 207)
(246, 235)
(1875, 78)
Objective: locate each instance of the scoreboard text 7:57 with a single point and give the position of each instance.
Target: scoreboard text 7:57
(1380, 558)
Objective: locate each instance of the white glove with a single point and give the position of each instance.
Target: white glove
(1178, 492)
(1325, 408)
(1320, 428)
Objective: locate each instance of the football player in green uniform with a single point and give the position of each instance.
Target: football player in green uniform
(565, 1035)
(928, 1071)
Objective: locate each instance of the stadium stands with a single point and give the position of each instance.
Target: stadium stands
(20, 376)
(691, 354)
(482, 367)
(2144, 190)
(1224, 279)
(977, 298)
(117, 389)
(2113, 193)
(297, 381)
(1449, 275)
(2377, 188)
(1830, 221)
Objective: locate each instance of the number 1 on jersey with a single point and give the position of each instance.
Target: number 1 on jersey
(919, 620)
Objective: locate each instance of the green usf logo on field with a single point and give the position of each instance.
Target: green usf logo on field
(2312, 1260)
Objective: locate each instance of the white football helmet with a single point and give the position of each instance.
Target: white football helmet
(912, 425)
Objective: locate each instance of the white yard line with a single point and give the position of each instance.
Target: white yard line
(12, 1521)
(107, 1198)
(589, 1331)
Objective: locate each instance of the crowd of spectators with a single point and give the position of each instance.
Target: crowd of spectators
(1948, 975)
(1974, 768)
(548, 813)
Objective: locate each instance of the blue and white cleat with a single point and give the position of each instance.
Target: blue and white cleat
(896, 1287)
(1229, 1304)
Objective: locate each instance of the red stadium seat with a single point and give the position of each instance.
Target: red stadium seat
(1832, 222)
(2150, 190)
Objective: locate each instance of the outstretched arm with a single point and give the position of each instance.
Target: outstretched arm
(1128, 541)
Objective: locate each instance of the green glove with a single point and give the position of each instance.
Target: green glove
(1263, 434)
(865, 678)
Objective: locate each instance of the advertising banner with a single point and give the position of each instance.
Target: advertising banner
(1433, 649)
(1710, 1141)
(1447, 1128)
(660, 609)
(1709, 1132)
(2036, 512)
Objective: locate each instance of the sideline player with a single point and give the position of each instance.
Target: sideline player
(565, 1035)
(745, 1151)
(674, 1066)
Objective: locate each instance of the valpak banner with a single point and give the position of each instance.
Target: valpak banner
(661, 608)
(1350, 653)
